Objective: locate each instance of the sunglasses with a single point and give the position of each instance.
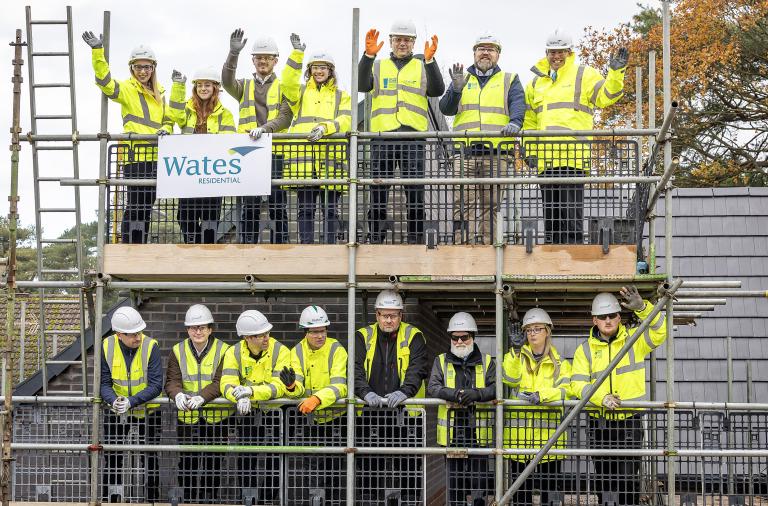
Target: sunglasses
(461, 338)
(609, 316)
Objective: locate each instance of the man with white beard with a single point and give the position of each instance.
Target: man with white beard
(463, 377)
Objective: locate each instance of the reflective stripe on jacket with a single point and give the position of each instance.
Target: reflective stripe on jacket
(485, 108)
(482, 419)
(130, 379)
(262, 375)
(322, 372)
(399, 97)
(195, 376)
(220, 120)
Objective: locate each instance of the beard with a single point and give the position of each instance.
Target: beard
(461, 351)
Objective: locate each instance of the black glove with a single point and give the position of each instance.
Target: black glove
(469, 396)
(517, 341)
(620, 59)
(288, 376)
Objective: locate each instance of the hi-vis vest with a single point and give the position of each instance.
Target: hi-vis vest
(485, 108)
(399, 97)
(531, 426)
(482, 419)
(263, 375)
(322, 373)
(196, 376)
(220, 120)
(130, 379)
(247, 120)
(141, 112)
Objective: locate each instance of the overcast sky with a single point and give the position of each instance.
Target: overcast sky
(190, 34)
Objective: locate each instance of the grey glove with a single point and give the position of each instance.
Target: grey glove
(458, 77)
(396, 398)
(316, 133)
(510, 129)
(178, 77)
(161, 132)
(236, 41)
(611, 401)
(121, 405)
(296, 42)
(634, 301)
(374, 400)
(181, 401)
(529, 397)
(244, 406)
(240, 392)
(256, 133)
(195, 402)
(619, 59)
(517, 341)
(92, 40)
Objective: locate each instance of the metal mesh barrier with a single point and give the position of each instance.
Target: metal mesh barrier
(470, 478)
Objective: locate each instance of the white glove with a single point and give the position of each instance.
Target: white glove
(195, 402)
(178, 77)
(121, 405)
(256, 133)
(611, 401)
(244, 406)
(181, 401)
(240, 391)
(316, 133)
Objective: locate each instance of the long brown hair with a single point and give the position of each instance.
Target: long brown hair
(203, 109)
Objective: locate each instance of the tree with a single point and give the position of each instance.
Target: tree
(26, 257)
(719, 76)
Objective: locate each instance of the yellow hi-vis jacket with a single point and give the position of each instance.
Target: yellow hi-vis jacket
(568, 103)
(483, 419)
(399, 97)
(247, 121)
(262, 375)
(322, 372)
(531, 426)
(485, 108)
(130, 379)
(627, 381)
(141, 112)
(196, 376)
(183, 114)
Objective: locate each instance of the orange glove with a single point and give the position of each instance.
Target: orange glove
(372, 44)
(309, 404)
(429, 51)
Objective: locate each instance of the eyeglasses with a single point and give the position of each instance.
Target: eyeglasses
(534, 330)
(465, 338)
(486, 49)
(320, 68)
(260, 57)
(138, 68)
(609, 316)
(389, 316)
(400, 40)
(198, 328)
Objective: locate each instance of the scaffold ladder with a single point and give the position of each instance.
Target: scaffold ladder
(64, 204)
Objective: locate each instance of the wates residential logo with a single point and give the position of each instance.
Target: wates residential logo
(218, 170)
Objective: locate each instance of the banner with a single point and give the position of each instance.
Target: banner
(209, 165)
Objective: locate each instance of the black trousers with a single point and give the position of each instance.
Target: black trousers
(126, 429)
(470, 477)
(385, 155)
(138, 202)
(200, 472)
(192, 212)
(563, 208)
(307, 205)
(545, 478)
(260, 471)
(277, 203)
(620, 475)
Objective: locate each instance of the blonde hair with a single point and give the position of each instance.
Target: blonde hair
(548, 352)
(153, 87)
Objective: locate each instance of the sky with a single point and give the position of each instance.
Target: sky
(188, 35)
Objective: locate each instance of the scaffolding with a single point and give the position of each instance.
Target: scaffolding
(505, 293)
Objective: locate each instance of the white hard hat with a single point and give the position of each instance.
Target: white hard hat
(489, 39)
(389, 299)
(559, 39)
(265, 45)
(536, 315)
(313, 316)
(605, 303)
(142, 52)
(403, 27)
(251, 323)
(198, 315)
(207, 74)
(322, 57)
(462, 322)
(127, 320)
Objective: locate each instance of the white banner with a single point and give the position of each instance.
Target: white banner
(208, 165)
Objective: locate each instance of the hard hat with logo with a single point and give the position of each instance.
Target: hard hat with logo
(536, 315)
(462, 322)
(142, 52)
(559, 39)
(487, 39)
(313, 316)
(403, 27)
(265, 45)
(127, 320)
(207, 74)
(198, 314)
(322, 57)
(605, 303)
(251, 323)
(389, 299)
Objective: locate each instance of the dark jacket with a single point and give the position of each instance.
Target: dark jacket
(465, 377)
(154, 377)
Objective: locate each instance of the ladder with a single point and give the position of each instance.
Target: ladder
(60, 202)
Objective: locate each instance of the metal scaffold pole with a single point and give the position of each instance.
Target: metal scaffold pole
(499, 294)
